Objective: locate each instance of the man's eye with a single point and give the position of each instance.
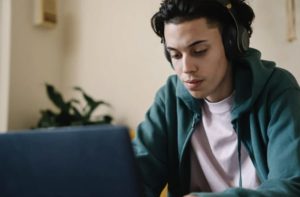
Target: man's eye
(175, 56)
(200, 52)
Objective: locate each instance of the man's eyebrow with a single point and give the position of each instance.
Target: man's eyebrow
(197, 42)
(190, 45)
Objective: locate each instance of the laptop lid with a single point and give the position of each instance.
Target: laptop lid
(68, 162)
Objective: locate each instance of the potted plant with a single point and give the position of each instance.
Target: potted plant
(72, 112)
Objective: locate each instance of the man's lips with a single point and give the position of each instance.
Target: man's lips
(193, 84)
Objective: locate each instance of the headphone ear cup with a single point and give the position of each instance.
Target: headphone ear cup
(229, 36)
(236, 43)
(243, 39)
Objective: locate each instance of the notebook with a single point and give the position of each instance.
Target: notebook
(82, 161)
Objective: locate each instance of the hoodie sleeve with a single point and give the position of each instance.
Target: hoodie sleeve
(150, 146)
(283, 152)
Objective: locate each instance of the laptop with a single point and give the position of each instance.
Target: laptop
(84, 161)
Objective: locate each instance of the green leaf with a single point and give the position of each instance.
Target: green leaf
(91, 103)
(89, 99)
(57, 98)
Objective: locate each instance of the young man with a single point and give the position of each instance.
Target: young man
(228, 123)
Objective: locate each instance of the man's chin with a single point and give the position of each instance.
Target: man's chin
(197, 95)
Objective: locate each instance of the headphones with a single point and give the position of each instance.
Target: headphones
(235, 37)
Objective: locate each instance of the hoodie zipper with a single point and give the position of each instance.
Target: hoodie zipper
(239, 138)
(196, 119)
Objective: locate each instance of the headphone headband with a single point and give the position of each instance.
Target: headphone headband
(225, 3)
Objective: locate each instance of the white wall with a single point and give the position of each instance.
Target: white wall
(36, 57)
(5, 21)
(270, 34)
(111, 52)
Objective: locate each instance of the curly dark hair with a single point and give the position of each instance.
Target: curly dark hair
(177, 11)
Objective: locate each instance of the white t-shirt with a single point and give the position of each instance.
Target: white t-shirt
(214, 154)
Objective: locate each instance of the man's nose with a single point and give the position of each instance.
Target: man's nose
(188, 64)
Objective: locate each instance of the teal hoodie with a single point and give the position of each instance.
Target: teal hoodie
(265, 116)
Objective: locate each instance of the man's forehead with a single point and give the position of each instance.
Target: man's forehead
(188, 32)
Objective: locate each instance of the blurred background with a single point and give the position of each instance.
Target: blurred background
(106, 47)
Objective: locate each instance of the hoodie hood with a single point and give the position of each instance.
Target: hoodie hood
(250, 77)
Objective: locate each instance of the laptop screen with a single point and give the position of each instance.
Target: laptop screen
(70, 161)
